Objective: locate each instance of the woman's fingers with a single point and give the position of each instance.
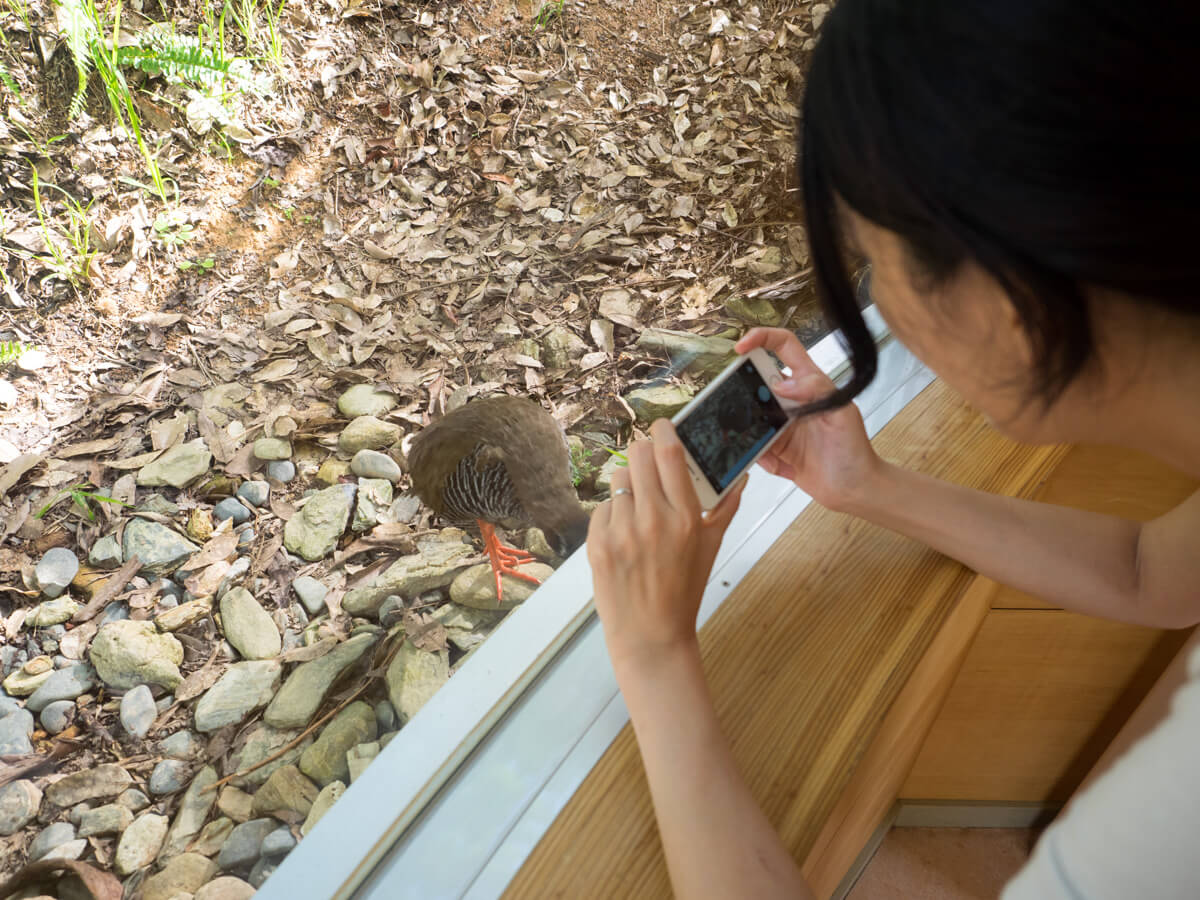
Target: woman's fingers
(620, 503)
(672, 468)
(643, 477)
(783, 344)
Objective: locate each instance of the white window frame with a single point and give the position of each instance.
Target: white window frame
(456, 802)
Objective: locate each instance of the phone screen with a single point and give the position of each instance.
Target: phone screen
(728, 429)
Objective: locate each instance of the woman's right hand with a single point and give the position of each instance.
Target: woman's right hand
(828, 455)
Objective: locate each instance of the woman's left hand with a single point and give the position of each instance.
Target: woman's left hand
(651, 550)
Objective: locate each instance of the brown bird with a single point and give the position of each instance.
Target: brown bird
(500, 461)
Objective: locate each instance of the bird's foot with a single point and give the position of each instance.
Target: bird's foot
(505, 560)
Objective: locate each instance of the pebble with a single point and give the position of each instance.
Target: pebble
(235, 803)
(314, 531)
(55, 570)
(261, 744)
(19, 802)
(99, 782)
(385, 716)
(133, 800)
(117, 611)
(476, 586)
(50, 837)
(373, 464)
(328, 796)
(325, 760)
(245, 538)
(138, 711)
(404, 508)
(368, 432)
(183, 744)
(227, 887)
(256, 493)
(263, 869)
(106, 553)
(282, 471)
(159, 548)
(70, 850)
(63, 684)
(168, 588)
(231, 508)
(240, 567)
(27, 679)
(286, 791)
(212, 836)
(177, 467)
(433, 567)
(112, 818)
(75, 813)
(305, 689)
(245, 687)
(278, 842)
(391, 610)
(127, 653)
(140, 843)
(15, 731)
(365, 400)
(183, 874)
(168, 776)
(194, 806)
(359, 757)
(272, 449)
(243, 845)
(57, 716)
(374, 497)
(157, 503)
(8, 704)
(52, 612)
(311, 593)
(413, 677)
(249, 627)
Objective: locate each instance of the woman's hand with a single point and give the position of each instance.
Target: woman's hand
(827, 455)
(651, 551)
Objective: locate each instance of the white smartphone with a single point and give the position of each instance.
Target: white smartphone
(731, 423)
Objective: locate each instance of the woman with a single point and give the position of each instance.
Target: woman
(1020, 178)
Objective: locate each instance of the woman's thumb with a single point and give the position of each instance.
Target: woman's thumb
(810, 386)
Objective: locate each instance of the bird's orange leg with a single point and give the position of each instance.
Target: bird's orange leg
(504, 559)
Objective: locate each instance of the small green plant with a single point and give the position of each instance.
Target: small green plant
(618, 454)
(172, 229)
(582, 467)
(82, 498)
(550, 11)
(10, 350)
(72, 260)
(204, 265)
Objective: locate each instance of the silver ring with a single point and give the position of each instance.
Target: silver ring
(619, 491)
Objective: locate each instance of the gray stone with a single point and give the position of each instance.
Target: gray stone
(404, 508)
(183, 744)
(70, 850)
(311, 593)
(49, 838)
(133, 800)
(287, 790)
(15, 731)
(113, 818)
(329, 795)
(476, 586)
(168, 776)
(57, 716)
(760, 311)
(313, 532)
(159, 548)
(127, 653)
(359, 757)
(283, 470)
(561, 346)
(248, 626)
(194, 806)
(374, 497)
(8, 704)
(262, 870)
(157, 503)
(55, 570)
(19, 802)
(246, 537)
(385, 716)
(212, 837)
(183, 874)
(243, 845)
(138, 711)
(684, 352)
(278, 842)
(31, 676)
(168, 588)
(106, 553)
(75, 813)
(96, 783)
(240, 567)
(116, 611)
(391, 611)
(272, 449)
(536, 543)
(658, 401)
(373, 464)
(305, 690)
(365, 400)
(368, 433)
(467, 627)
(256, 493)
(64, 684)
(140, 843)
(177, 467)
(227, 887)
(325, 760)
(235, 803)
(245, 687)
(413, 677)
(231, 508)
(262, 742)
(434, 567)
(52, 612)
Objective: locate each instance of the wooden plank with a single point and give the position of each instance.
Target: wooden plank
(1110, 480)
(804, 659)
(1041, 694)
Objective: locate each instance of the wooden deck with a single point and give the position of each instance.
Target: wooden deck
(820, 658)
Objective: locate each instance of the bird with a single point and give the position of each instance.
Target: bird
(500, 460)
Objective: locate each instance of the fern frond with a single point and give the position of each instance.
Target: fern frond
(79, 30)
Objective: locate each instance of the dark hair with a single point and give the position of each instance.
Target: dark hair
(1053, 142)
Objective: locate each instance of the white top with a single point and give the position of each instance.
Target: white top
(1134, 834)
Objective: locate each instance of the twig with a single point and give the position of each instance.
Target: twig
(113, 586)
